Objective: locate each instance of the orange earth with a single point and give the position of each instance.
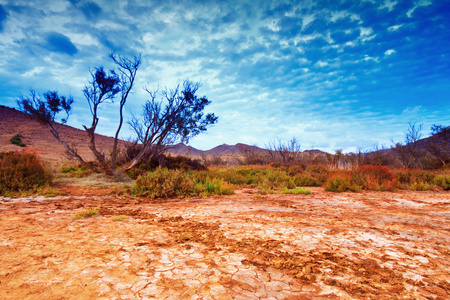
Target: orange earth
(367, 245)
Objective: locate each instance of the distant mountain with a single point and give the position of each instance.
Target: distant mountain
(223, 149)
(315, 151)
(182, 149)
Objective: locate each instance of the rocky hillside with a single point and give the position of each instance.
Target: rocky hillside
(40, 141)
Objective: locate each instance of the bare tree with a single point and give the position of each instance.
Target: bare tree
(45, 111)
(102, 88)
(128, 69)
(438, 128)
(284, 153)
(439, 148)
(177, 116)
(250, 156)
(408, 153)
(413, 133)
(170, 116)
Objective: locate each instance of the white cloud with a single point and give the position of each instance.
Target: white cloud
(307, 19)
(418, 4)
(412, 113)
(322, 63)
(268, 75)
(389, 52)
(34, 71)
(394, 27)
(389, 4)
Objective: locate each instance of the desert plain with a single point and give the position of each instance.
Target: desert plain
(366, 245)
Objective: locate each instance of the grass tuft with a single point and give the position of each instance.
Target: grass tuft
(297, 191)
(120, 218)
(86, 213)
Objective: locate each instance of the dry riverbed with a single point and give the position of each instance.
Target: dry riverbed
(368, 245)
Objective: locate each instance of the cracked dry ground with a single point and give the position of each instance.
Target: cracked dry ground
(369, 245)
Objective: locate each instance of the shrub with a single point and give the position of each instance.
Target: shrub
(306, 180)
(22, 172)
(161, 160)
(442, 181)
(319, 172)
(17, 141)
(214, 186)
(266, 178)
(164, 183)
(78, 171)
(237, 175)
(414, 179)
(374, 177)
(420, 186)
(341, 182)
(86, 213)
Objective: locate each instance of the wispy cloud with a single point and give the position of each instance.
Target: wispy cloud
(336, 74)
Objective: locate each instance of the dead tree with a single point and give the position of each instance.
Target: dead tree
(284, 153)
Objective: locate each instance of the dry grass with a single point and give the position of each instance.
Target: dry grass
(94, 180)
(119, 218)
(86, 213)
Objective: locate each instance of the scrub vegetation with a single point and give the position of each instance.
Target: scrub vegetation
(21, 173)
(17, 141)
(282, 168)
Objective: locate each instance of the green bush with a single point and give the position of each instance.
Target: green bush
(297, 191)
(213, 186)
(163, 183)
(266, 178)
(22, 172)
(414, 179)
(442, 181)
(162, 160)
(306, 180)
(341, 182)
(86, 213)
(17, 141)
(319, 172)
(78, 171)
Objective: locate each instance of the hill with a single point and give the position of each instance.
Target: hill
(223, 149)
(40, 141)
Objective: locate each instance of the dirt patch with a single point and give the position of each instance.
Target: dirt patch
(370, 245)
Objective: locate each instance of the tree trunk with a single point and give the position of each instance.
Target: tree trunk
(71, 151)
(100, 157)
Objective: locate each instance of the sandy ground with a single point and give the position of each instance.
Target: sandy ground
(368, 245)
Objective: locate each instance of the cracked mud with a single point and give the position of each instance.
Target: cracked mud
(369, 245)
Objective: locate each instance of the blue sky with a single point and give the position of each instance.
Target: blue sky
(334, 74)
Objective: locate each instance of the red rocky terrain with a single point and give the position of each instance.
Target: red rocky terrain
(368, 245)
